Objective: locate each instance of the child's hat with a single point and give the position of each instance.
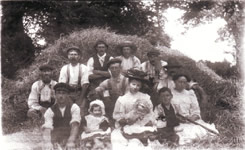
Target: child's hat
(97, 102)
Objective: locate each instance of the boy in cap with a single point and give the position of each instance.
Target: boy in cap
(153, 67)
(42, 93)
(76, 75)
(62, 120)
(127, 50)
(96, 64)
(116, 85)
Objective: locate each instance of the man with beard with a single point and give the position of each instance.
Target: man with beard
(42, 93)
(76, 75)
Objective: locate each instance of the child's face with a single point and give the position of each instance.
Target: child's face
(165, 97)
(97, 111)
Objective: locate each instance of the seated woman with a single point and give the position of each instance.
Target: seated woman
(186, 105)
(166, 118)
(95, 125)
(133, 114)
(127, 50)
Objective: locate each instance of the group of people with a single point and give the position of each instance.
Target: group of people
(117, 102)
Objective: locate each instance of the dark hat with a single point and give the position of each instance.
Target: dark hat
(73, 48)
(113, 61)
(177, 76)
(153, 52)
(100, 42)
(46, 67)
(173, 63)
(62, 87)
(126, 44)
(136, 74)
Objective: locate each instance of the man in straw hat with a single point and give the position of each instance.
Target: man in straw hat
(62, 120)
(153, 67)
(76, 75)
(127, 50)
(116, 85)
(96, 64)
(42, 93)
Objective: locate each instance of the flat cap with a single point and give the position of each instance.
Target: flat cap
(46, 67)
(73, 48)
(113, 61)
(153, 52)
(62, 87)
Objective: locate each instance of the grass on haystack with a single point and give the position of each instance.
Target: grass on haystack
(224, 108)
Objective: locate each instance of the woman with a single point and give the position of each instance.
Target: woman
(133, 112)
(127, 50)
(186, 105)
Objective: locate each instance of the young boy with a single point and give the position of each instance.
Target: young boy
(95, 125)
(61, 120)
(166, 118)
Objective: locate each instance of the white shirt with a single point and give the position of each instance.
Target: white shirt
(49, 114)
(90, 63)
(74, 73)
(148, 68)
(128, 63)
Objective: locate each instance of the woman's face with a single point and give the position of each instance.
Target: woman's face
(180, 83)
(126, 51)
(165, 97)
(134, 86)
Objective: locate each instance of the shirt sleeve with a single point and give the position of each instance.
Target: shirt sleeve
(48, 119)
(143, 67)
(103, 86)
(63, 74)
(75, 114)
(136, 62)
(119, 111)
(84, 78)
(195, 109)
(110, 58)
(33, 98)
(90, 65)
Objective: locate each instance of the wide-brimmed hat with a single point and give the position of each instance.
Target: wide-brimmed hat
(46, 67)
(73, 48)
(153, 52)
(113, 61)
(63, 87)
(173, 63)
(126, 44)
(136, 74)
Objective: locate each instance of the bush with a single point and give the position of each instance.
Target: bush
(220, 91)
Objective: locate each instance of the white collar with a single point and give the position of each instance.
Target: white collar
(101, 57)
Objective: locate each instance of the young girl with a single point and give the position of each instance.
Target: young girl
(95, 125)
(166, 118)
(133, 114)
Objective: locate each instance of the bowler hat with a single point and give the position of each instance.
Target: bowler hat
(46, 67)
(62, 87)
(113, 61)
(126, 44)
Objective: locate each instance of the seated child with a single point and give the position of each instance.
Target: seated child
(141, 125)
(61, 120)
(95, 125)
(166, 118)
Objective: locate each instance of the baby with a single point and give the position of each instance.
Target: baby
(95, 125)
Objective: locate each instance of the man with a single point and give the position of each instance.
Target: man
(62, 120)
(153, 67)
(110, 89)
(42, 93)
(76, 75)
(96, 64)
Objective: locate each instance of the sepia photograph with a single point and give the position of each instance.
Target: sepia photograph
(122, 74)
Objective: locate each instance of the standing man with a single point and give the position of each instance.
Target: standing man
(76, 75)
(96, 64)
(116, 85)
(42, 93)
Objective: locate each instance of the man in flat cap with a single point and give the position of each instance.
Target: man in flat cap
(153, 67)
(96, 64)
(110, 89)
(42, 93)
(76, 75)
(62, 121)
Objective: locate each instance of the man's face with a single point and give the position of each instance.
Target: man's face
(46, 76)
(152, 59)
(126, 51)
(73, 56)
(101, 49)
(61, 97)
(115, 69)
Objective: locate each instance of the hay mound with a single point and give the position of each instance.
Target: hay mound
(15, 93)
